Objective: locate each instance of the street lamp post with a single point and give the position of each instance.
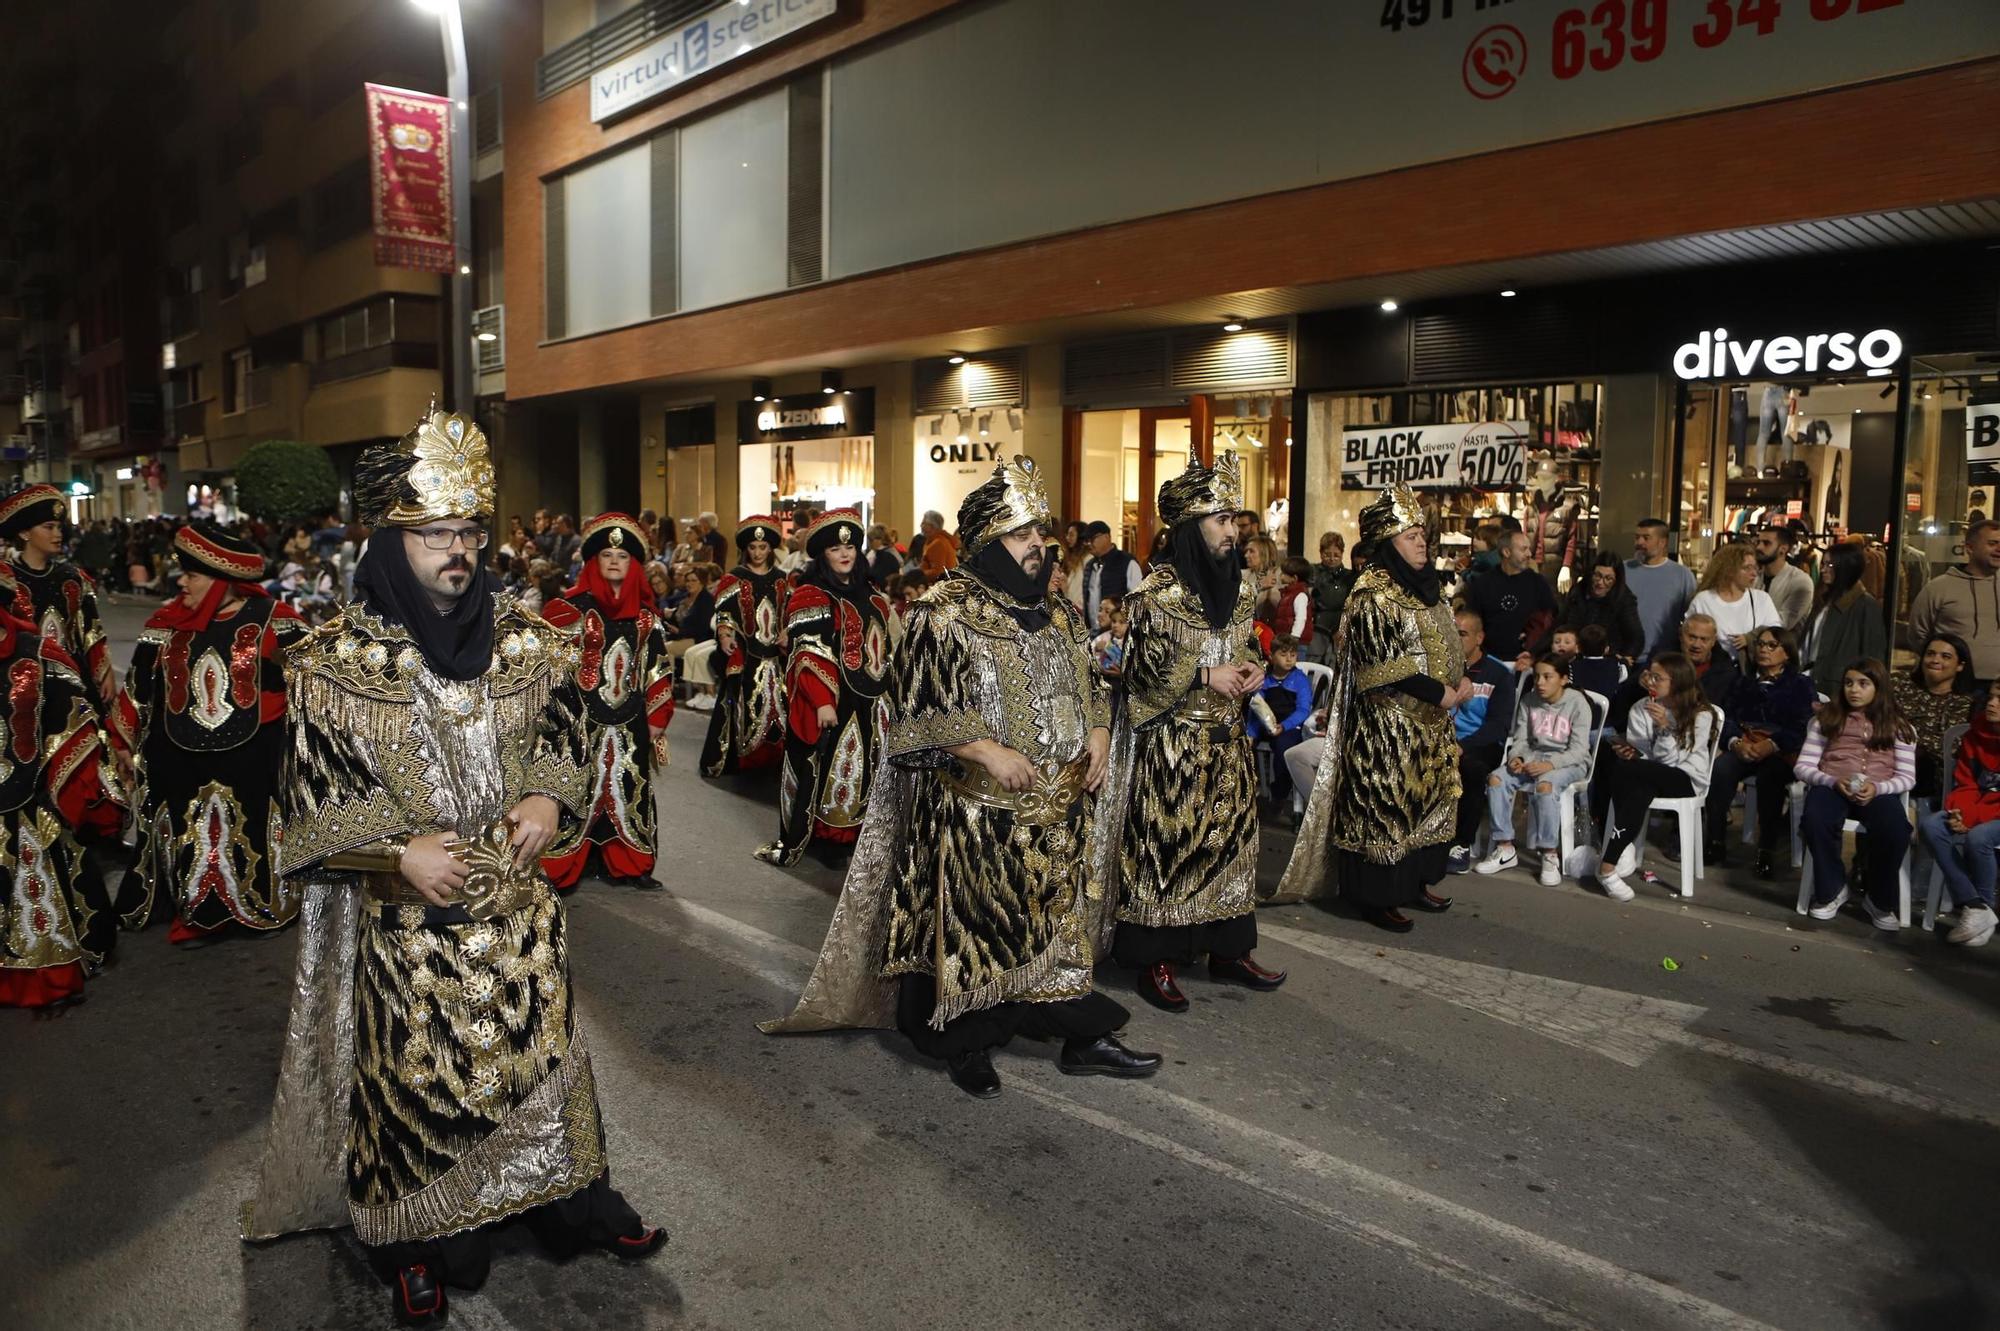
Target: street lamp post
(457, 86)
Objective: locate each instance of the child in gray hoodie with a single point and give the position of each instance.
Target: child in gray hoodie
(1548, 751)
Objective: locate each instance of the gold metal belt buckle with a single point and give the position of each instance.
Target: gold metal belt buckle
(492, 888)
(1043, 804)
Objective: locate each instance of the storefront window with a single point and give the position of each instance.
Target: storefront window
(1951, 476)
(815, 473)
(1474, 454)
(1114, 488)
(955, 453)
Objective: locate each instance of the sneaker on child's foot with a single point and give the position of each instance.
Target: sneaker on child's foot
(1500, 857)
(1459, 861)
(1552, 872)
(1628, 859)
(1885, 920)
(1826, 910)
(1615, 887)
(1975, 926)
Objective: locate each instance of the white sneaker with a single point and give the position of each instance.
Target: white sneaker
(1615, 887)
(1496, 860)
(1831, 908)
(1885, 920)
(1975, 926)
(1628, 860)
(1552, 870)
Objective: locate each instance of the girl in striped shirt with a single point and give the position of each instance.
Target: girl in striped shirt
(1859, 760)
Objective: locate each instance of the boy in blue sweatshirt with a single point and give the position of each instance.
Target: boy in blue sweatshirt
(1288, 692)
(1482, 722)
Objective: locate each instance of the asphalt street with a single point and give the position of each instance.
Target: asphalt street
(1516, 1116)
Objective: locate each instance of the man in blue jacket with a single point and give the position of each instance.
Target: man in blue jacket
(1483, 721)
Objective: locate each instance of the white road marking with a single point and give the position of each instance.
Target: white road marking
(1688, 1309)
(1625, 1028)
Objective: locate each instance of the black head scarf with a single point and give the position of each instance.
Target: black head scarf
(457, 644)
(1026, 599)
(1217, 579)
(1422, 583)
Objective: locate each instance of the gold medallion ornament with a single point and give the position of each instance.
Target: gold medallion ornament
(1202, 491)
(836, 526)
(1016, 496)
(616, 531)
(442, 469)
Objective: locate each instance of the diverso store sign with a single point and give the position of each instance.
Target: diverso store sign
(1713, 355)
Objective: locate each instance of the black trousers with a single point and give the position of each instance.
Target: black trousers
(1142, 945)
(1084, 1018)
(1476, 762)
(1773, 776)
(1628, 787)
(595, 1214)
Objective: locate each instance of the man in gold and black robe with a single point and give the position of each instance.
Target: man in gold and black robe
(967, 916)
(1187, 861)
(1384, 805)
(436, 1078)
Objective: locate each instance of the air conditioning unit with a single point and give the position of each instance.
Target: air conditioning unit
(489, 338)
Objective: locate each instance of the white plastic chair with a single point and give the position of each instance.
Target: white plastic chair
(1902, 873)
(1579, 790)
(1686, 811)
(1322, 682)
(1949, 748)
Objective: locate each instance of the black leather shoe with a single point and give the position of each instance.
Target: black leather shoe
(418, 1298)
(1391, 919)
(1766, 868)
(1105, 1057)
(1158, 986)
(1714, 855)
(973, 1073)
(635, 1247)
(1431, 902)
(1244, 971)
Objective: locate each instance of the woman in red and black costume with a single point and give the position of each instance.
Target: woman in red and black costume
(204, 709)
(55, 788)
(836, 679)
(747, 728)
(627, 681)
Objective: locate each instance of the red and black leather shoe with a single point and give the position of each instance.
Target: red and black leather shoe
(1432, 902)
(1244, 970)
(636, 1247)
(1158, 986)
(1391, 919)
(418, 1297)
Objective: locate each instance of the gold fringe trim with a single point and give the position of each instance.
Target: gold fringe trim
(325, 703)
(1017, 983)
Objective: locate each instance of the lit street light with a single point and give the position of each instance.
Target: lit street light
(451, 30)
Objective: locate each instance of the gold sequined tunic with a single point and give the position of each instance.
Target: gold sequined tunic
(442, 1052)
(1188, 850)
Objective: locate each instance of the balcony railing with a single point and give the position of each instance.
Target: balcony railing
(191, 421)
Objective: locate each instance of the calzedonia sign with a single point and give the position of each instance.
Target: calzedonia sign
(807, 416)
(731, 29)
(1716, 355)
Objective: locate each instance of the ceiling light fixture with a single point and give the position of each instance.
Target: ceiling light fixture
(985, 425)
(955, 358)
(1389, 307)
(829, 382)
(760, 390)
(1509, 292)
(1231, 324)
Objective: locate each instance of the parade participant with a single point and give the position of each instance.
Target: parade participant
(51, 593)
(203, 711)
(627, 683)
(747, 728)
(965, 919)
(836, 686)
(1187, 858)
(436, 1079)
(55, 784)
(1383, 803)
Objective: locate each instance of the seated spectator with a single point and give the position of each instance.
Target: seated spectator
(1295, 599)
(1603, 599)
(1547, 753)
(1288, 696)
(1847, 625)
(1715, 671)
(1593, 667)
(1964, 836)
(1482, 722)
(1665, 753)
(694, 621)
(1936, 694)
(1767, 713)
(1859, 759)
(1107, 649)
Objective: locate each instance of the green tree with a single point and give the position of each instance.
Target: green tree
(282, 481)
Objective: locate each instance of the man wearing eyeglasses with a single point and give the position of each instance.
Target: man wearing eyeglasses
(436, 1081)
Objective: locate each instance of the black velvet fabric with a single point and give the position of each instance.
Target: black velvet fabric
(1422, 583)
(1024, 598)
(1389, 886)
(1217, 579)
(1141, 945)
(457, 644)
(1084, 1018)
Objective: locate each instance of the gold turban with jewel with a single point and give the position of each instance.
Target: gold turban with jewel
(1390, 514)
(1202, 491)
(1014, 497)
(441, 469)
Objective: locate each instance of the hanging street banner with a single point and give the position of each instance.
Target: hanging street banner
(409, 156)
(1491, 455)
(731, 29)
